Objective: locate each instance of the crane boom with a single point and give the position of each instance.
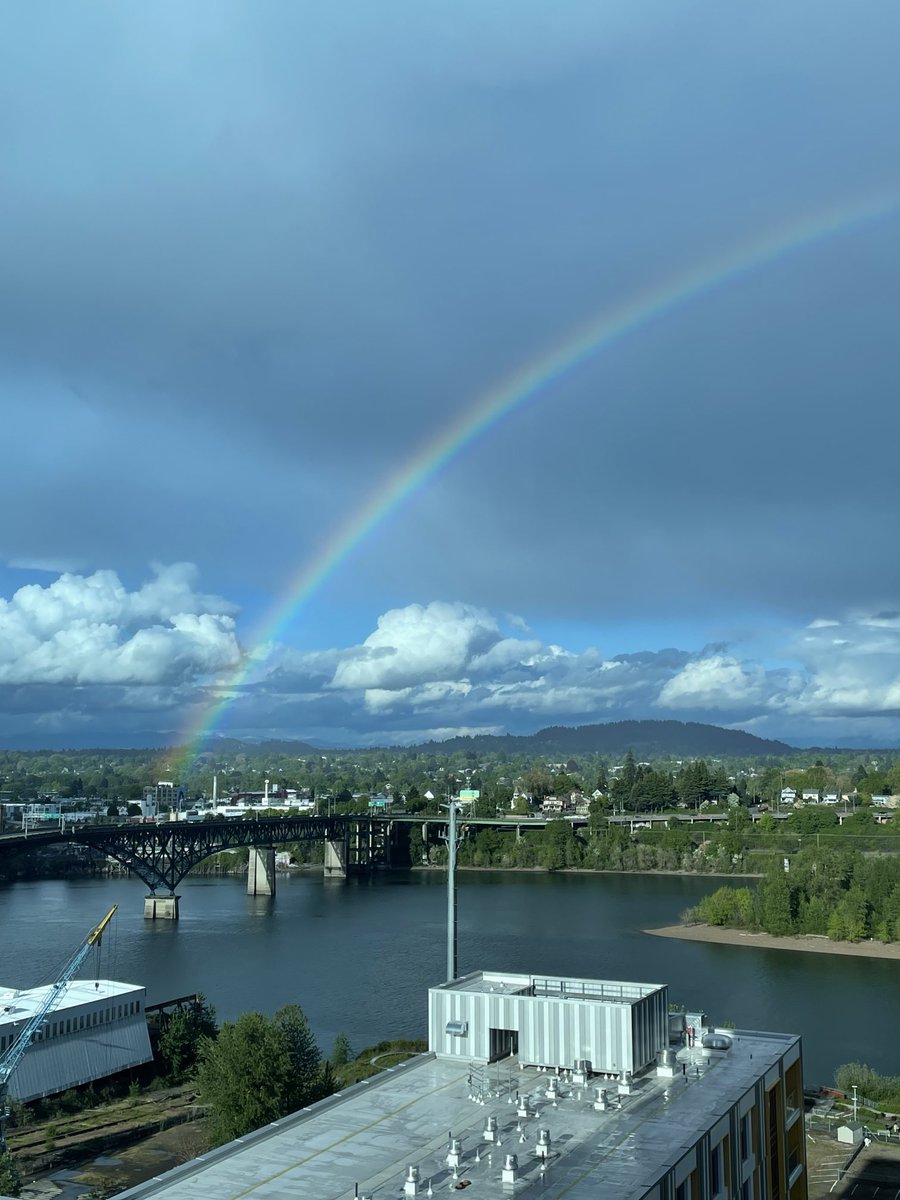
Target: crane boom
(14, 1054)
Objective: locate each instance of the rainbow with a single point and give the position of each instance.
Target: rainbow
(526, 384)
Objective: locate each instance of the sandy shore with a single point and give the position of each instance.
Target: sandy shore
(809, 943)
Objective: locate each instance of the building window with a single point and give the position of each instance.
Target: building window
(715, 1169)
(745, 1137)
(746, 1190)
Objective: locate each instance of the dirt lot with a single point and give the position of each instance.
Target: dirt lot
(102, 1150)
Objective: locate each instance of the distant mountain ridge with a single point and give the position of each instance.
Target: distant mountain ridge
(647, 739)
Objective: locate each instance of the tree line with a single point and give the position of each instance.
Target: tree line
(837, 893)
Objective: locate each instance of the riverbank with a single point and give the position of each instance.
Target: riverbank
(584, 871)
(806, 943)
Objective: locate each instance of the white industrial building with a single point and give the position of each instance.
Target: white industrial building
(549, 1022)
(97, 1028)
(606, 1096)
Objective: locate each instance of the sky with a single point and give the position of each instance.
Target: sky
(255, 258)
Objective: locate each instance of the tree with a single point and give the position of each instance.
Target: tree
(812, 819)
(727, 906)
(850, 920)
(259, 1069)
(182, 1036)
(341, 1054)
(776, 915)
(10, 1180)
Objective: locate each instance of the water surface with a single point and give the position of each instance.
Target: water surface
(358, 958)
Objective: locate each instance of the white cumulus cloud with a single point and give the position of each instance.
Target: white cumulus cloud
(419, 644)
(90, 629)
(719, 682)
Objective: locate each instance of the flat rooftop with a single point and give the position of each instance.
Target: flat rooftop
(368, 1135)
(605, 990)
(16, 1003)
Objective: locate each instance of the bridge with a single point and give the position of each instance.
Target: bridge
(162, 854)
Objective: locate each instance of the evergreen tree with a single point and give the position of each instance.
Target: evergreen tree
(182, 1036)
(776, 915)
(341, 1054)
(258, 1070)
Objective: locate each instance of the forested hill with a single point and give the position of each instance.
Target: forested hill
(647, 739)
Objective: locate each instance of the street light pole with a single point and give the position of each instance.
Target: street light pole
(451, 892)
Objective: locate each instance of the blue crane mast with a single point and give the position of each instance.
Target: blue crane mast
(55, 994)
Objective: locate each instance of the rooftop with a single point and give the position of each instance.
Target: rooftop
(368, 1135)
(16, 1004)
(540, 985)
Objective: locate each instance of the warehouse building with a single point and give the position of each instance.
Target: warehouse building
(646, 1107)
(97, 1028)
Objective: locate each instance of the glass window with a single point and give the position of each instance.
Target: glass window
(745, 1137)
(715, 1169)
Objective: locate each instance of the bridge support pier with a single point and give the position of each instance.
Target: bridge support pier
(261, 871)
(336, 854)
(161, 908)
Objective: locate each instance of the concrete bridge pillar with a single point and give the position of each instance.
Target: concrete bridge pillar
(161, 908)
(336, 854)
(261, 871)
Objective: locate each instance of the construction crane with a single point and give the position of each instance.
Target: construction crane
(55, 994)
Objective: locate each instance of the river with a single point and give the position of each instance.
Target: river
(358, 958)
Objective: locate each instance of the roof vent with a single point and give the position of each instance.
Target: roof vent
(510, 1169)
(716, 1041)
(457, 1028)
(411, 1182)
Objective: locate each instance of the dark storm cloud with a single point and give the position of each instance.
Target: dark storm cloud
(254, 255)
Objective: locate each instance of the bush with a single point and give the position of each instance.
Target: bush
(882, 1090)
(10, 1181)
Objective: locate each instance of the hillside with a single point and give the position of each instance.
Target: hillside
(647, 739)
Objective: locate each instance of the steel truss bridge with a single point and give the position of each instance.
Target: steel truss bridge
(161, 855)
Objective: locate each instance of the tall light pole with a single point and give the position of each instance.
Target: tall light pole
(452, 842)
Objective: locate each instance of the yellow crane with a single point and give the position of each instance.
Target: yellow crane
(14, 1054)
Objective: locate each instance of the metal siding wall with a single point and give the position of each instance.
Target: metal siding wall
(553, 1031)
(60, 1063)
